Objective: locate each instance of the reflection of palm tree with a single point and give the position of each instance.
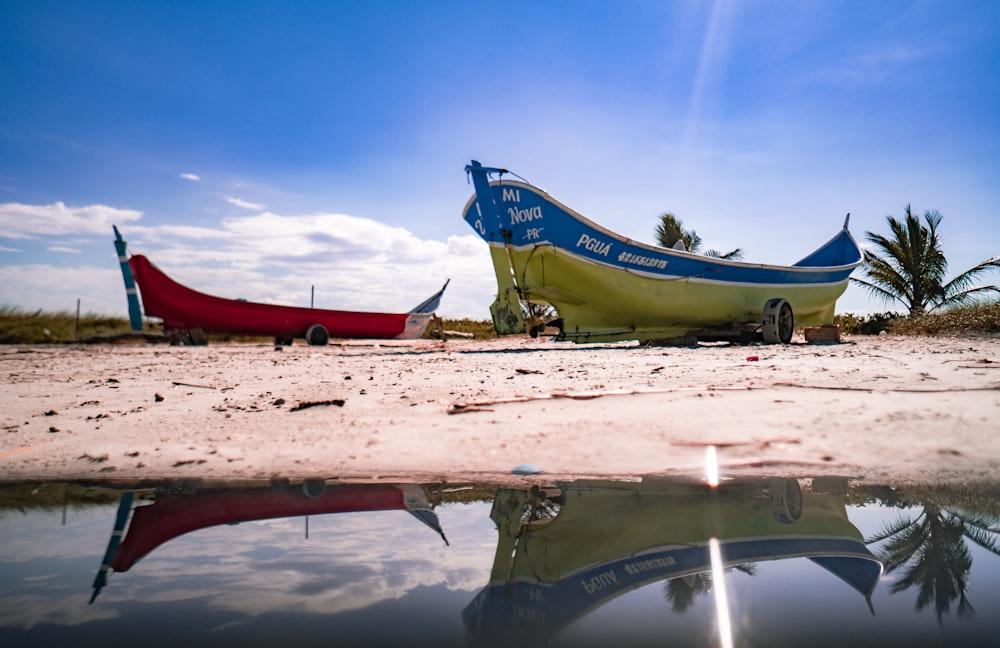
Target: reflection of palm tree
(934, 557)
(681, 592)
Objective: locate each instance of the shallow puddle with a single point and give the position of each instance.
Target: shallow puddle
(749, 562)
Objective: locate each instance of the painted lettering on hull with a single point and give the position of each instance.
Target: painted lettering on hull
(650, 564)
(519, 216)
(522, 615)
(599, 582)
(642, 261)
(511, 195)
(597, 246)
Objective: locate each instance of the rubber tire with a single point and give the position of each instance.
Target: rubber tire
(778, 322)
(313, 488)
(198, 337)
(786, 500)
(317, 335)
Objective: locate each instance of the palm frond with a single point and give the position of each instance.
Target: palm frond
(878, 291)
(960, 289)
(891, 529)
(909, 265)
(732, 254)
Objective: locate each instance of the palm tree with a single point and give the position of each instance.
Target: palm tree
(932, 553)
(682, 591)
(670, 230)
(910, 266)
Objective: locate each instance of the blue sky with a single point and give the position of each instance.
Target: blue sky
(256, 149)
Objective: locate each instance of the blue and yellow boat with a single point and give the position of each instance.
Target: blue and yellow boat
(605, 287)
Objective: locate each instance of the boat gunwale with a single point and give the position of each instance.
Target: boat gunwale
(670, 252)
(694, 278)
(282, 307)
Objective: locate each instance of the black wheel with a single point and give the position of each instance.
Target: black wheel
(313, 488)
(198, 337)
(778, 322)
(786, 500)
(317, 335)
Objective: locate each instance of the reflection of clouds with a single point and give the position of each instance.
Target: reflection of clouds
(46, 569)
(349, 562)
(26, 612)
(40, 536)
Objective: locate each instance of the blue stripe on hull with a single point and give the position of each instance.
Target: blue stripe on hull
(522, 217)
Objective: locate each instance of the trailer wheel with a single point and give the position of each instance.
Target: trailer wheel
(198, 337)
(786, 500)
(317, 335)
(313, 488)
(778, 322)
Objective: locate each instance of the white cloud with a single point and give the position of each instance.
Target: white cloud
(192, 177)
(19, 221)
(245, 204)
(352, 263)
(54, 289)
(875, 65)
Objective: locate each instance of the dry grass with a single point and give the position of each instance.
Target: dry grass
(18, 326)
(977, 319)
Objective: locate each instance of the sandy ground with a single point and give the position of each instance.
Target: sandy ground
(894, 409)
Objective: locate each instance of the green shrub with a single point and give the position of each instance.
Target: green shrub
(871, 324)
(480, 329)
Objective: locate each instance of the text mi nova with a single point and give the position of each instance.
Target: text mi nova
(520, 216)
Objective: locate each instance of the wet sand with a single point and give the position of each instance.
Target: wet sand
(897, 409)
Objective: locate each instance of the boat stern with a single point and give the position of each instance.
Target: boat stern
(416, 324)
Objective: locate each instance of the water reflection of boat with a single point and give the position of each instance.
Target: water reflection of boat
(173, 513)
(560, 556)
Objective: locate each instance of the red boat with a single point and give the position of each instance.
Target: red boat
(188, 314)
(174, 514)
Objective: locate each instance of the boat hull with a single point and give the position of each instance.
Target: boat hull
(599, 304)
(606, 287)
(175, 514)
(184, 309)
(607, 539)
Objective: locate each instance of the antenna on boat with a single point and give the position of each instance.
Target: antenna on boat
(476, 166)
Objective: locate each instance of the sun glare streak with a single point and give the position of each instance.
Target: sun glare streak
(711, 467)
(721, 598)
(713, 47)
